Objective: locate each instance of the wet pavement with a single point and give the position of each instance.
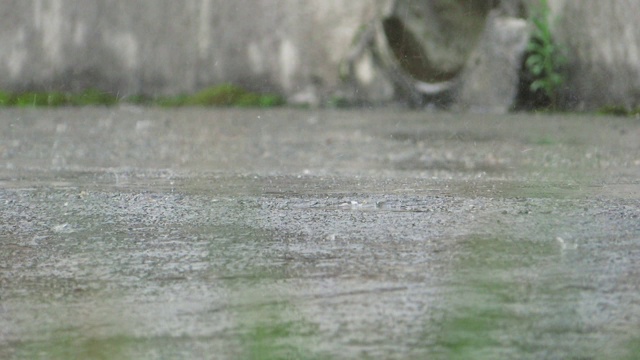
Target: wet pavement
(133, 233)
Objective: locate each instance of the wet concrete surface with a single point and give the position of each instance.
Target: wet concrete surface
(154, 234)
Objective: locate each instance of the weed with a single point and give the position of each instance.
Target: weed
(543, 60)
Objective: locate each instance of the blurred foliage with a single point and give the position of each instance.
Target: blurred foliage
(544, 61)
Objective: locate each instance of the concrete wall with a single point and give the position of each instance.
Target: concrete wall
(289, 46)
(602, 40)
(168, 46)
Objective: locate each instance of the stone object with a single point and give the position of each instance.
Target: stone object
(414, 51)
(489, 82)
(601, 40)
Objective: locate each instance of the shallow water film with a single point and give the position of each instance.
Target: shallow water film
(139, 233)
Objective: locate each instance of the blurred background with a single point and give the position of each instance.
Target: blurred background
(478, 55)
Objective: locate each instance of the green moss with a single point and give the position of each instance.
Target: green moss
(224, 95)
(248, 100)
(93, 97)
(232, 95)
(57, 99)
(41, 99)
(271, 100)
(138, 99)
(339, 102)
(174, 101)
(6, 99)
(618, 110)
(221, 95)
(28, 99)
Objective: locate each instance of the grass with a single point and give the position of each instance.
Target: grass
(225, 95)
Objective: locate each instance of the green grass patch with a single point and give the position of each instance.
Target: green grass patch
(90, 97)
(225, 95)
(30, 99)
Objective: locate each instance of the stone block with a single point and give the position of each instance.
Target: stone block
(489, 82)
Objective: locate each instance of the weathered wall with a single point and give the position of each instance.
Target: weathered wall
(291, 46)
(602, 40)
(167, 46)
(490, 80)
